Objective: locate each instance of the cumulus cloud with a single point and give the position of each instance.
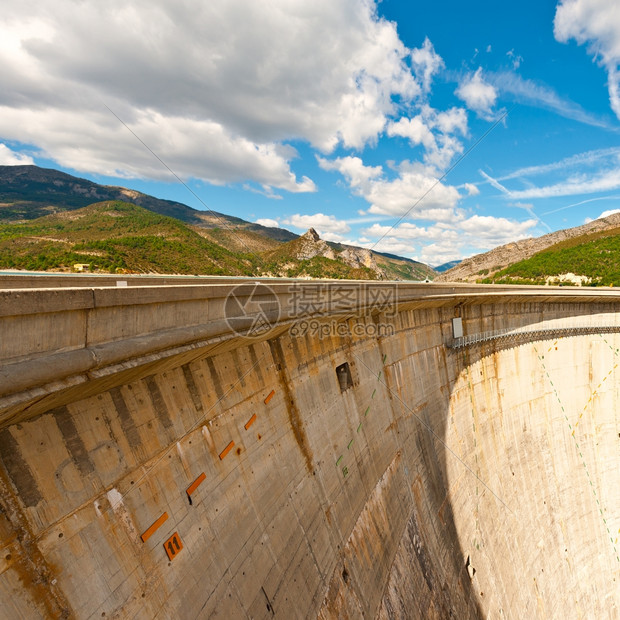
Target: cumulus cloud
(426, 64)
(439, 243)
(410, 231)
(435, 131)
(478, 94)
(493, 231)
(414, 189)
(8, 157)
(434, 228)
(215, 89)
(319, 221)
(608, 213)
(597, 24)
(268, 222)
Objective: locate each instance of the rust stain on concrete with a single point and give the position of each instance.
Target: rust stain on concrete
(32, 569)
(158, 402)
(18, 470)
(127, 423)
(73, 442)
(191, 386)
(294, 415)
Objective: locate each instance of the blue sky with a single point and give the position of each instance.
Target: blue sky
(430, 130)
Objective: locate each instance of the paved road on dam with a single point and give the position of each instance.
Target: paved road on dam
(238, 448)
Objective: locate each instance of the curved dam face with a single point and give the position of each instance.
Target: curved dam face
(155, 466)
(539, 425)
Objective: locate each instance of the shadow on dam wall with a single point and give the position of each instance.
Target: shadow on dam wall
(335, 477)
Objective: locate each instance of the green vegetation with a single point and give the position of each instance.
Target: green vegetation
(398, 268)
(596, 256)
(119, 237)
(48, 222)
(116, 237)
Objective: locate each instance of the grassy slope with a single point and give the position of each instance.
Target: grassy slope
(28, 193)
(121, 237)
(116, 236)
(404, 269)
(596, 256)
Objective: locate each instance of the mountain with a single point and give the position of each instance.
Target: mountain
(445, 266)
(120, 237)
(487, 265)
(308, 254)
(30, 196)
(592, 259)
(29, 192)
(116, 237)
(388, 266)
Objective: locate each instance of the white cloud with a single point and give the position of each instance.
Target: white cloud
(100, 143)
(493, 231)
(415, 189)
(319, 221)
(426, 63)
(478, 95)
(471, 189)
(495, 183)
(597, 23)
(515, 58)
(268, 222)
(577, 184)
(214, 89)
(595, 158)
(434, 130)
(542, 96)
(335, 237)
(608, 213)
(440, 243)
(413, 232)
(582, 202)
(441, 231)
(9, 157)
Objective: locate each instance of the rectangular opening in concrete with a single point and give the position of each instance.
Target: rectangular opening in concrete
(343, 372)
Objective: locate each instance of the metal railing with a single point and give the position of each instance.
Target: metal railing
(523, 333)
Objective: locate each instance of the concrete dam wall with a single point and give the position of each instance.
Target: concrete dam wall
(165, 455)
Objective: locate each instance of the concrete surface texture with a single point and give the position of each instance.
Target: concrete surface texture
(155, 462)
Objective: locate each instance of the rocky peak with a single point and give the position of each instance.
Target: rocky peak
(310, 245)
(311, 234)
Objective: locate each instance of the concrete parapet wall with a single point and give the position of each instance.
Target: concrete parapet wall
(434, 484)
(56, 339)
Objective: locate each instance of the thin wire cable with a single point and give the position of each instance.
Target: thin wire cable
(177, 177)
(434, 434)
(445, 174)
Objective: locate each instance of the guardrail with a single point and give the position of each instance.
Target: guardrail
(510, 334)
